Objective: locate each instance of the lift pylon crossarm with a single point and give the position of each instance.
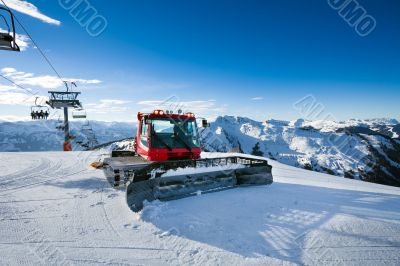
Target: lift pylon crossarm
(61, 99)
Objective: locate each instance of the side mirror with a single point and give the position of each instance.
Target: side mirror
(204, 123)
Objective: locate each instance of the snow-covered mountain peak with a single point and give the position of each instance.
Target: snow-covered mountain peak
(236, 120)
(333, 126)
(297, 123)
(383, 121)
(274, 122)
(365, 149)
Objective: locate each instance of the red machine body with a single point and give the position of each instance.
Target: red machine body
(166, 141)
(164, 136)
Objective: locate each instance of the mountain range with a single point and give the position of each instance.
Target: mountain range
(360, 149)
(368, 150)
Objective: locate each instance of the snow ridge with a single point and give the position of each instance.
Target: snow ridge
(359, 149)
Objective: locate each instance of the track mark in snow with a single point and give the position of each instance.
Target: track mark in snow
(31, 185)
(132, 226)
(80, 196)
(113, 195)
(34, 200)
(42, 163)
(100, 203)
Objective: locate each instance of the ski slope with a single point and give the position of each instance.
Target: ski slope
(55, 209)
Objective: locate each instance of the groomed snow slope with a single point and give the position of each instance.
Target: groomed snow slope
(54, 208)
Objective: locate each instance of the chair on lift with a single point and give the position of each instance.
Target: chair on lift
(8, 40)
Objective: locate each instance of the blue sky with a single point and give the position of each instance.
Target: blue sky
(248, 58)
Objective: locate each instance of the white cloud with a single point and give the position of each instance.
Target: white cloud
(166, 103)
(84, 81)
(107, 106)
(16, 98)
(257, 98)
(8, 70)
(30, 10)
(45, 81)
(12, 95)
(22, 41)
(5, 88)
(201, 107)
(175, 105)
(113, 102)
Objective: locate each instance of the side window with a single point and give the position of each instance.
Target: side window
(144, 128)
(190, 128)
(143, 138)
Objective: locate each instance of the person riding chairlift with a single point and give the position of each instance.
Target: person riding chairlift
(39, 114)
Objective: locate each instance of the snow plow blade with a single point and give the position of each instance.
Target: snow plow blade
(179, 179)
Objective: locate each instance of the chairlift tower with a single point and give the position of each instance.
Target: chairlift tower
(64, 100)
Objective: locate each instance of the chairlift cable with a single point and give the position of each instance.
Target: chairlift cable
(33, 41)
(67, 146)
(19, 86)
(5, 21)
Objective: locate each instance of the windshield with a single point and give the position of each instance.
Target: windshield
(174, 133)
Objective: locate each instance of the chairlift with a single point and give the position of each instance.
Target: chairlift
(60, 127)
(89, 133)
(8, 39)
(90, 136)
(79, 139)
(90, 143)
(86, 126)
(85, 145)
(79, 113)
(39, 111)
(60, 124)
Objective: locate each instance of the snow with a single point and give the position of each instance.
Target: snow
(332, 126)
(197, 170)
(376, 142)
(395, 135)
(313, 145)
(54, 208)
(323, 146)
(43, 135)
(220, 168)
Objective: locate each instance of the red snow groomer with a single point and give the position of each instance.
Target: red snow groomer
(166, 162)
(164, 136)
